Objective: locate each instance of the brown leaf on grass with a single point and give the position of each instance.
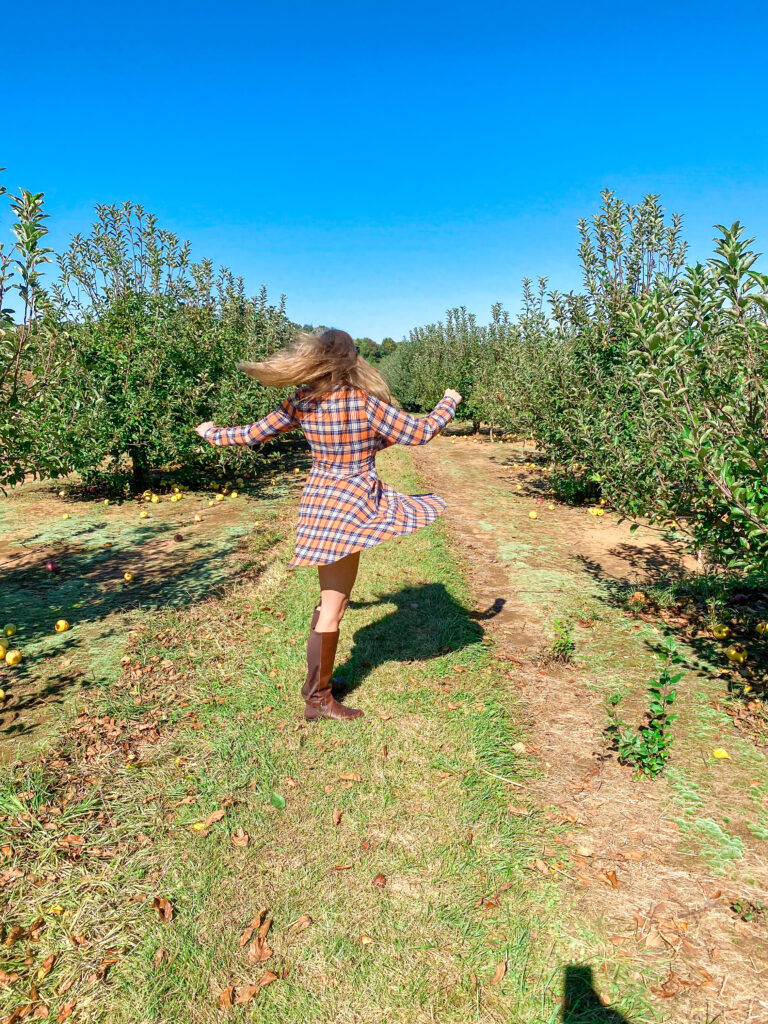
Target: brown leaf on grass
(609, 877)
(66, 1011)
(159, 956)
(300, 924)
(65, 986)
(72, 840)
(163, 907)
(245, 935)
(443, 775)
(45, 967)
(10, 875)
(379, 881)
(365, 940)
(214, 817)
(350, 777)
(240, 837)
(337, 816)
(541, 866)
(384, 751)
(498, 974)
(8, 979)
(15, 934)
(268, 977)
(244, 993)
(186, 800)
(259, 950)
(518, 809)
(227, 998)
(341, 867)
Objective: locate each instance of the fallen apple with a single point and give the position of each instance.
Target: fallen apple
(177, 536)
(9, 629)
(13, 658)
(720, 631)
(737, 653)
(61, 626)
(51, 566)
(128, 576)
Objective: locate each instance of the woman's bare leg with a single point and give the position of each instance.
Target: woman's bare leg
(336, 582)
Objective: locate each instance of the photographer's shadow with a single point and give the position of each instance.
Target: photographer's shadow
(427, 622)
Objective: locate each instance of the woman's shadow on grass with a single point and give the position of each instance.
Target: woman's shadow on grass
(427, 622)
(581, 1004)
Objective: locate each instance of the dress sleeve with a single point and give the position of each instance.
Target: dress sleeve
(401, 428)
(276, 422)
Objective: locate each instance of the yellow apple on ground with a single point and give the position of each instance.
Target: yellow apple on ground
(720, 631)
(65, 516)
(533, 515)
(106, 501)
(210, 503)
(128, 576)
(737, 653)
(3, 647)
(9, 629)
(297, 470)
(2, 696)
(219, 497)
(550, 507)
(154, 499)
(62, 494)
(198, 518)
(233, 494)
(61, 626)
(13, 658)
(143, 514)
(761, 628)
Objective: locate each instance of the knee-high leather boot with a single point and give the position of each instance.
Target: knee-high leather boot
(338, 684)
(316, 691)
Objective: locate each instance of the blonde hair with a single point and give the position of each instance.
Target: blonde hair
(321, 363)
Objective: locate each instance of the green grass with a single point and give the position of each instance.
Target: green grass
(218, 680)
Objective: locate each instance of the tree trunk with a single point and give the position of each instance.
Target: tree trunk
(140, 476)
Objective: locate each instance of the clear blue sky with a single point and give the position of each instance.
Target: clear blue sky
(379, 163)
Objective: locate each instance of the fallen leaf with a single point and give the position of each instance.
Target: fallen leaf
(163, 907)
(277, 801)
(498, 974)
(10, 875)
(159, 956)
(541, 866)
(227, 997)
(350, 777)
(341, 867)
(379, 881)
(245, 993)
(45, 967)
(300, 924)
(216, 816)
(267, 978)
(337, 816)
(522, 812)
(365, 940)
(240, 837)
(66, 1011)
(719, 753)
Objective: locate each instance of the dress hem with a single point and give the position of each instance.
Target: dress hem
(374, 541)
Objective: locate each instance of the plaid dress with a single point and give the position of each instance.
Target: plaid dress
(344, 506)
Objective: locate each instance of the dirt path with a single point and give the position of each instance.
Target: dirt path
(657, 866)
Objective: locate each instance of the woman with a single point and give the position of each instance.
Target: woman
(345, 409)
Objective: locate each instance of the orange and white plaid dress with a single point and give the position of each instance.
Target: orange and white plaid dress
(344, 506)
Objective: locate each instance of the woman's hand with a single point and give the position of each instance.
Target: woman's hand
(201, 428)
(450, 393)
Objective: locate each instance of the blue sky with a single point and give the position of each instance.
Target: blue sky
(380, 163)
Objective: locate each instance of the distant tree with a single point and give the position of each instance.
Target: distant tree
(387, 346)
(368, 349)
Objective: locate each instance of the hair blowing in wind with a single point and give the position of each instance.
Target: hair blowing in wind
(322, 363)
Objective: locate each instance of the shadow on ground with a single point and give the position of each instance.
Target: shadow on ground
(581, 1004)
(427, 623)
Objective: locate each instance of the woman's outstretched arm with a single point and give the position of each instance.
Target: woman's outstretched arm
(400, 428)
(276, 422)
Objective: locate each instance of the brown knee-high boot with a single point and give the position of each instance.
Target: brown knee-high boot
(338, 684)
(316, 691)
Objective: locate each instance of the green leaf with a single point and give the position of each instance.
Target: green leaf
(277, 801)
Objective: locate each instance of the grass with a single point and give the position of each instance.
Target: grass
(202, 716)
